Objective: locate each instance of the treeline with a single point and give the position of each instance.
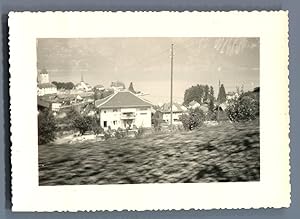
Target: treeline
(203, 94)
(199, 93)
(245, 107)
(64, 85)
(102, 94)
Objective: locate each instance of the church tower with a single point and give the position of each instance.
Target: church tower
(43, 77)
(82, 80)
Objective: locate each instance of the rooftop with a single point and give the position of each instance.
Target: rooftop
(46, 85)
(122, 99)
(176, 107)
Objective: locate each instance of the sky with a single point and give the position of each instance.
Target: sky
(146, 63)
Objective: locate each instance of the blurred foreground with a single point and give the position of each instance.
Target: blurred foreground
(224, 153)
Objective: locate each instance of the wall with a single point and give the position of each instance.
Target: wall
(110, 115)
(176, 115)
(48, 90)
(143, 117)
(113, 117)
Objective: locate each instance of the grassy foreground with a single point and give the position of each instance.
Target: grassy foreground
(223, 153)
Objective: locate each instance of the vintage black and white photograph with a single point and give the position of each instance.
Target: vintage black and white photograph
(148, 110)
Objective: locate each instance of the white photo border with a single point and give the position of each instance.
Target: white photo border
(273, 189)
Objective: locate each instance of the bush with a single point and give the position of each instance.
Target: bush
(193, 119)
(107, 135)
(46, 127)
(140, 132)
(97, 129)
(157, 121)
(120, 133)
(211, 116)
(84, 124)
(243, 108)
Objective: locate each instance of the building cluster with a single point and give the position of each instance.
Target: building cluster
(121, 108)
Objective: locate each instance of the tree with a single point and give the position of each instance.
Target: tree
(211, 105)
(222, 94)
(193, 93)
(193, 119)
(256, 89)
(157, 120)
(244, 108)
(206, 93)
(84, 123)
(130, 88)
(79, 122)
(211, 92)
(102, 94)
(46, 127)
(72, 114)
(64, 85)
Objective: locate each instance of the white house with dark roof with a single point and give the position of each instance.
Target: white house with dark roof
(124, 109)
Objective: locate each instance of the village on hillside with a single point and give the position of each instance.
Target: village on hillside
(82, 112)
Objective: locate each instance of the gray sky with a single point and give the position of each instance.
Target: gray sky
(146, 62)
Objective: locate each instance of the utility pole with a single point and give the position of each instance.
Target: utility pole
(171, 99)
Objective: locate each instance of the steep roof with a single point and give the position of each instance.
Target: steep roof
(43, 71)
(43, 103)
(176, 107)
(122, 99)
(222, 106)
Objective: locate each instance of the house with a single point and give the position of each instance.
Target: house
(56, 106)
(117, 86)
(204, 107)
(123, 109)
(232, 96)
(221, 111)
(45, 89)
(177, 111)
(51, 101)
(83, 86)
(193, 104)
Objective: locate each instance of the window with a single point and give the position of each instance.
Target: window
(143, 113)
(115, 122)
(115, 110)
(104, 111)
(105, 123)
